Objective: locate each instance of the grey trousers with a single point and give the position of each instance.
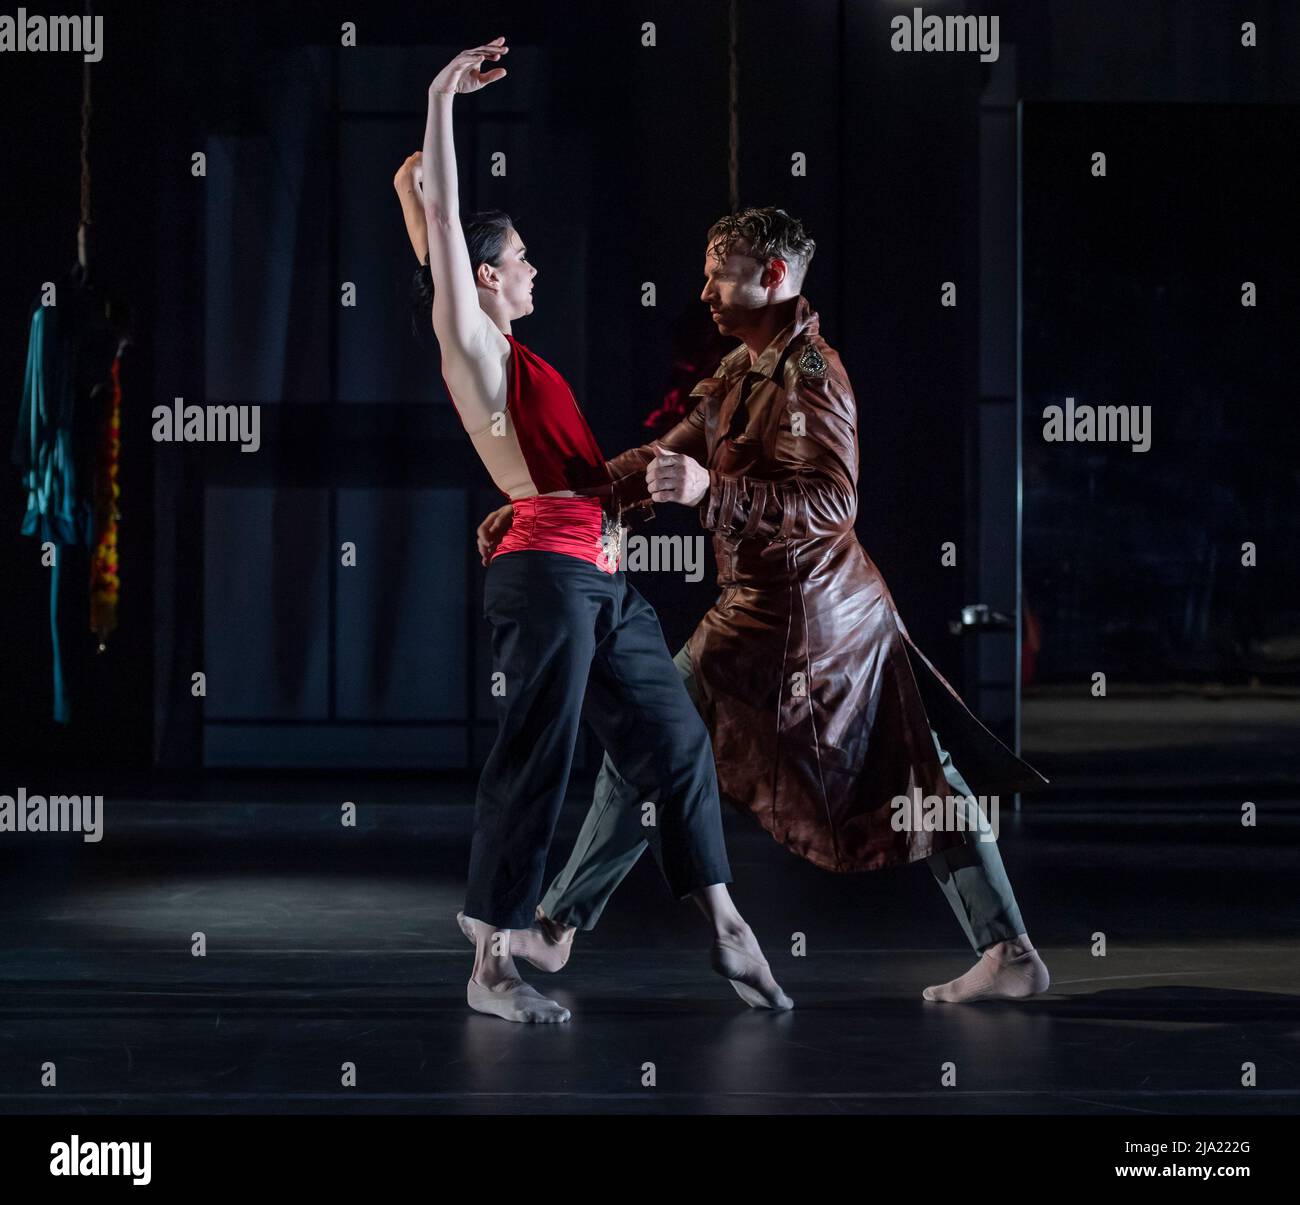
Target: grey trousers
(971, 876)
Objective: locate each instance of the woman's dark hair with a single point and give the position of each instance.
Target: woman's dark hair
(485, 236)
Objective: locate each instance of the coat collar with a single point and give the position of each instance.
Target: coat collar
(736, 362)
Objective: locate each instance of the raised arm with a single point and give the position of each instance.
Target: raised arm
(407, 182)
(458, 320)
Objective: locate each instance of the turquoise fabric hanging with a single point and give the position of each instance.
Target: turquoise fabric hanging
(58, 508)
(59, 505)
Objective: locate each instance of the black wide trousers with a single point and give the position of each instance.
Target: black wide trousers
(569, 642)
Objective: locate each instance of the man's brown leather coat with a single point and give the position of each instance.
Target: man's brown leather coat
(812, 689)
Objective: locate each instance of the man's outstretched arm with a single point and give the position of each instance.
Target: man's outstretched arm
(811, 487)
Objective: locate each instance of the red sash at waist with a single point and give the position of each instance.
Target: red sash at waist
(571, 526)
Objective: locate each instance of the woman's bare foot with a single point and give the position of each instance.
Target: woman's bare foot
(546, 944)
(1010, 970)
(514, 1000)
(495, 987)
(736, 956)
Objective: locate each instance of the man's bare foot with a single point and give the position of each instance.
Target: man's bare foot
(514, 1000)
(546, 945)
(1010, 970)
(736, 956)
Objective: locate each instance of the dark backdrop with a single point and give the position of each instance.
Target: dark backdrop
(617, 164)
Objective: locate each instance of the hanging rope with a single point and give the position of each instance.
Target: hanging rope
(83, 226)
(85, 144)
(733, 107)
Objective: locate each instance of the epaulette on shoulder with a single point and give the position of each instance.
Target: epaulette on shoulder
(811, 362)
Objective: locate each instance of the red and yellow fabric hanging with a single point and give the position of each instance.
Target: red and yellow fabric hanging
(105, 583)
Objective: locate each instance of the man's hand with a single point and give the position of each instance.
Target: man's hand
(464, 73)
(676, 477)
(493, 529)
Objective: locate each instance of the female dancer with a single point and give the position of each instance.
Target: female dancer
(564, 622)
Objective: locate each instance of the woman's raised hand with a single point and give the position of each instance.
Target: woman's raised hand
(410, 174)
(464, 73)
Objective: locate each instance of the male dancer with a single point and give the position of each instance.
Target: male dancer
(803, 670)
(564, 619)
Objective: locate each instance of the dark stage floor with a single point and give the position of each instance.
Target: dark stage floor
(328, 945)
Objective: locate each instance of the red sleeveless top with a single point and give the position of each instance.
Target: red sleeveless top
(559, 449)
(560, 453)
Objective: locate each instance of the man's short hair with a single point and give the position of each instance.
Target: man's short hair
(765, 235)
